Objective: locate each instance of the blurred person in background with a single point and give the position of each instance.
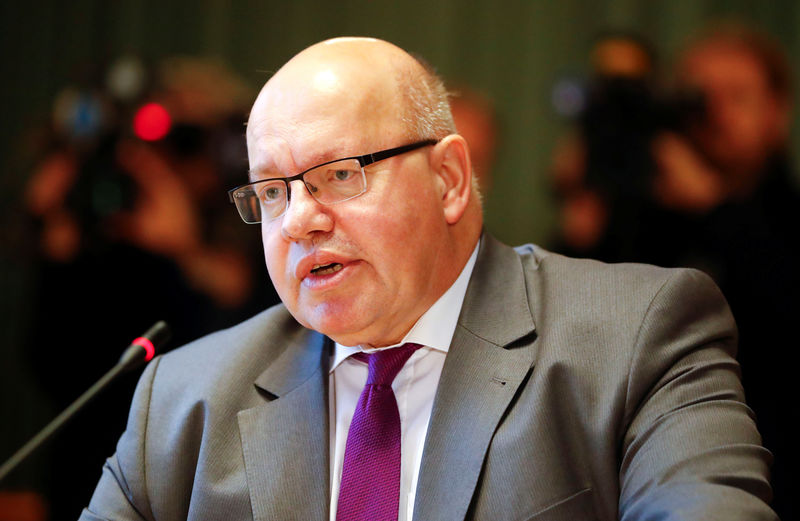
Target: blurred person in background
(152, 186)
(130, 228)
(730, 184)
(603, 168)
(711, 187)
(476, 119)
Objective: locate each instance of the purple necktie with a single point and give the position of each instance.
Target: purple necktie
(370, 485)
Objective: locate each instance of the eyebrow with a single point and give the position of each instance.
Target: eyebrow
(256, 175)
(315, 160)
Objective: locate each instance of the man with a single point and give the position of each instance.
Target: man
(734, 207)
(476, 120)
(745, 81)
(536, 386)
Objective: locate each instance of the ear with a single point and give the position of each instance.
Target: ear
(453, 169)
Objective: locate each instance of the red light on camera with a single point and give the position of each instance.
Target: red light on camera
(151, 122)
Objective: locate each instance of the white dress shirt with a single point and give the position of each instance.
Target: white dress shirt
(414, 387)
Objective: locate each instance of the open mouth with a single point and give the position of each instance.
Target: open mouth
(326, 269)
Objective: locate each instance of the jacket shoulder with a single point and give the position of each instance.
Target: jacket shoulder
(611, 285)
(224, 364)
(608, 305)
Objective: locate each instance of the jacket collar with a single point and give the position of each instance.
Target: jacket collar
(285, 439)
(492, 352)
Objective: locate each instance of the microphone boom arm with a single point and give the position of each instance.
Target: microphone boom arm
(134, 355)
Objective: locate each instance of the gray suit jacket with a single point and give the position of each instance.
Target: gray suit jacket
(573, 390)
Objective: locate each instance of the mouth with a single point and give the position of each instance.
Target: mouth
(326, 277)
(326, 269)
(323, 270)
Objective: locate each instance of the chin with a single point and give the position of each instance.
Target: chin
(337, 324)
(344, 337)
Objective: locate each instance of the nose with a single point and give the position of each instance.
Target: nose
(305, 215)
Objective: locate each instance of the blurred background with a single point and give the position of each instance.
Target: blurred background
(627, 130)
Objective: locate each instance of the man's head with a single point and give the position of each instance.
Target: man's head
(746, 82)
(388, 254)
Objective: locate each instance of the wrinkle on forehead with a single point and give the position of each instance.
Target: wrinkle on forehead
(276, 156)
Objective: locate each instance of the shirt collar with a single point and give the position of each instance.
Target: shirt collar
(435, 327)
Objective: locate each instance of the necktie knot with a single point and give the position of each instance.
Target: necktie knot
(384, 365)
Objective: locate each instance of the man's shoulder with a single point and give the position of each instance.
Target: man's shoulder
(234, 342)
(228, 359)
(590, 288)
(599, 319)
(591, 274)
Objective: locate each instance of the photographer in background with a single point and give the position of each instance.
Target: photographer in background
(705, 184)
(476, 119)
(130, 228)
(140, 168)
(729, 184)
(604, 170)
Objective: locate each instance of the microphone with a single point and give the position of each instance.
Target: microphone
(144, 348)
(141, 350)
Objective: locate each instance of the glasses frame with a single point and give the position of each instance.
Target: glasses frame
(365, 160)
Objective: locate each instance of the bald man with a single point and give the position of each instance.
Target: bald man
(521, 384)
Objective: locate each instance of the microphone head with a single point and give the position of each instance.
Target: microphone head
(144, 348)
(159, 334)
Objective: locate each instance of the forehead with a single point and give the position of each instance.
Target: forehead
(299, 122)
(723, 64)
(278, 156)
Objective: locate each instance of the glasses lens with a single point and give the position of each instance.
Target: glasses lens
(337, 181)
(261, 201)
(247, 204)
(271, 196)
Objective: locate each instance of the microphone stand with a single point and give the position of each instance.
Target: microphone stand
(134, 355)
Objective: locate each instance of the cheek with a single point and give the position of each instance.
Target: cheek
(394, 224)
(745, 129)
(276, 252)
(403, 242)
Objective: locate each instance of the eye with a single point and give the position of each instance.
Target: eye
(271, 194)
(343, 175)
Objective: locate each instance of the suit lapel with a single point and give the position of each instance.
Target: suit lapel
(285, 440)
(482, 372)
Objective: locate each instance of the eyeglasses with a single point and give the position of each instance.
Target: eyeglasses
(329, 183)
